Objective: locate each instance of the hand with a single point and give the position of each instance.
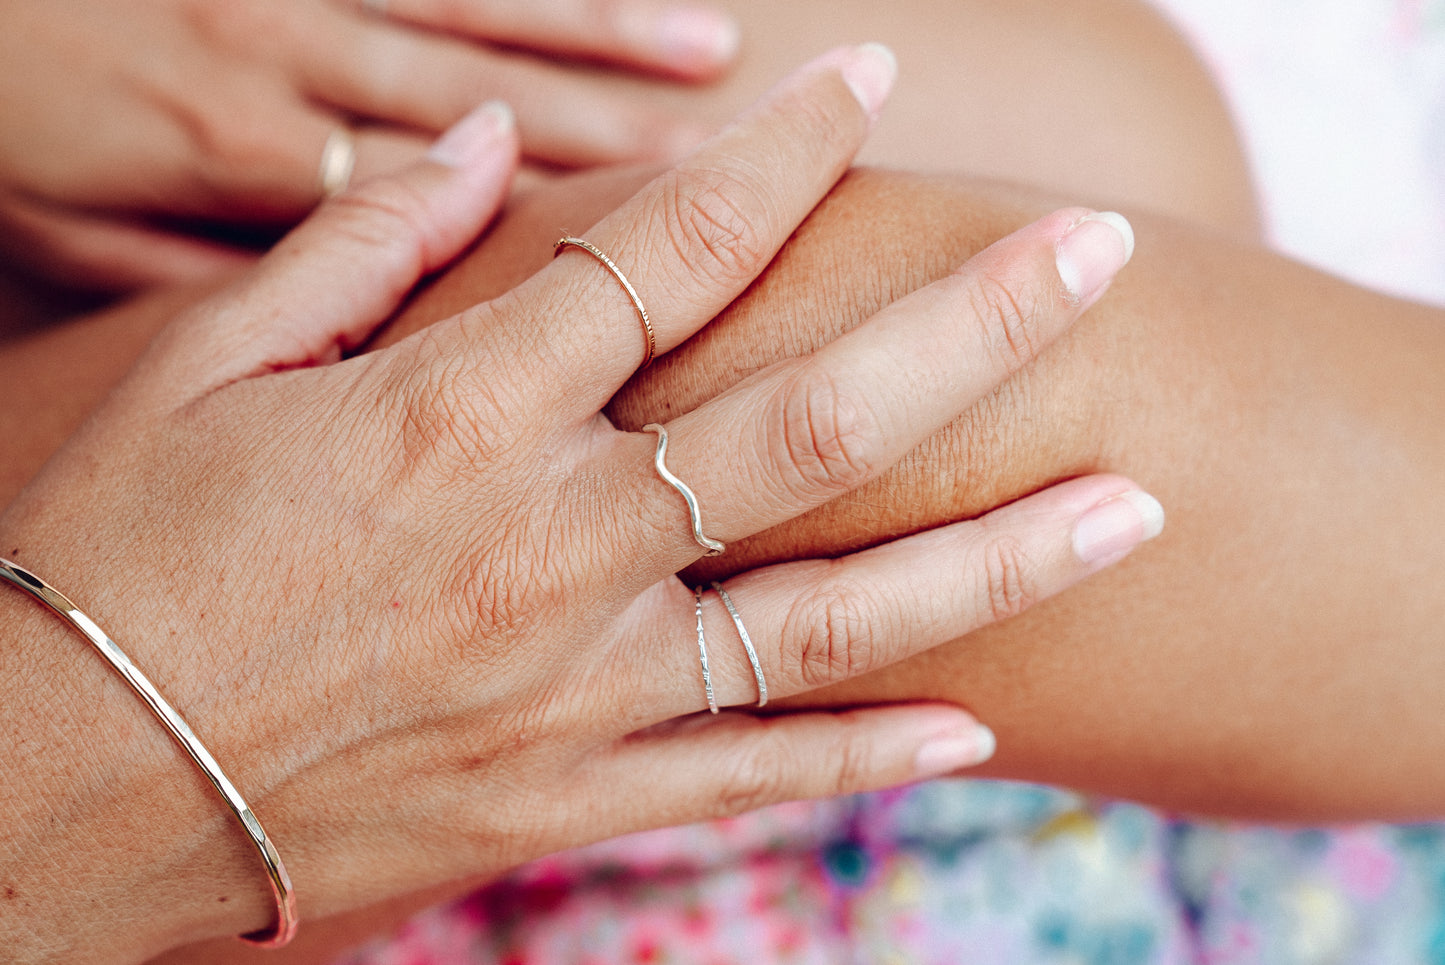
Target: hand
(425, 595)
(124, 121)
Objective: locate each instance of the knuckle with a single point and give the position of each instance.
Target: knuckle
(854, 767)
(711, 224)
(834, 634)
(1010, 579)
(1007, 320)
(755, 779)
(385, 214)
(827, 443)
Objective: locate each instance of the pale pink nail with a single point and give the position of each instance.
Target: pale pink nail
(687, 35)
(1093, 251)
(1111, 529)
(949, 752)
(870, 70)
(474, 137)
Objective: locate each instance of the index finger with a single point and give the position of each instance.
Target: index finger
(689, 242)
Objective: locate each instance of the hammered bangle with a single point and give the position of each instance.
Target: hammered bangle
(285, 928)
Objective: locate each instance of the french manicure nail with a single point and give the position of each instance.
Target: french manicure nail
(949, 752)
(870, 70)
(1108, 532)
(1093, 251)
(473, 137)
(690, 34)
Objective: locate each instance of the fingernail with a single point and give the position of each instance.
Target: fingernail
(1093, 251)
(869, 71)
(949, 752)
(474, 137)
(1111, 529)
(686, 35)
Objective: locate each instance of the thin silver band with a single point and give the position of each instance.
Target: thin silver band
(702, 654)
(338, 161)
(377, 8)
(710, 546)
(610, 265)
(286, 921)
(747, 643)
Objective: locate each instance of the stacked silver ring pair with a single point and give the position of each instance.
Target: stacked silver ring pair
(747, 645)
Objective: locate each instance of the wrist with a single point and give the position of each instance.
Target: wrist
(103, 812)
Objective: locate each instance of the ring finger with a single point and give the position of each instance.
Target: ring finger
(820, 622)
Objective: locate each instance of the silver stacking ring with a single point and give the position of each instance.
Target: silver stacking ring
(702, 654)
(338, 161)
(747, 641)
(377, 8)
(710, 546)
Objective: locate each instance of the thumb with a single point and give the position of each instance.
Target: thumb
(329, 283)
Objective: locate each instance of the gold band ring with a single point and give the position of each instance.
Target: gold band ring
(338, 160)
(611, 266)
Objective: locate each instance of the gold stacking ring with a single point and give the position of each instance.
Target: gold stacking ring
(338, 161)
(611, 266)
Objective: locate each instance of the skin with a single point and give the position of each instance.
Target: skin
(1144, 125)
(148, 141)
(1272, 656)
(1059, 431)
(1260, 413)
(477, 679)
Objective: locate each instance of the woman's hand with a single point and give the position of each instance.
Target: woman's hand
(123, 122)
(421, 603)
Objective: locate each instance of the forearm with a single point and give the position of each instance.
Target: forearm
(1278, 653)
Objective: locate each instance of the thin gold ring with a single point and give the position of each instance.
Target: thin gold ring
(338, 161)
(611, 266)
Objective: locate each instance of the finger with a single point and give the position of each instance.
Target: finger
(383, 150)
(376, 69)
(257, 158)
(807, 430)
(694, 238)
(816, 623)
(685, 40)
(100, 253)
(700, 769)
(331, 281)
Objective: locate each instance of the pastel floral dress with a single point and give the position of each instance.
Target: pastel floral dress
(981, 872)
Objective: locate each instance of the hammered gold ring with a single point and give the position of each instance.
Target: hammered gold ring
(611, 266)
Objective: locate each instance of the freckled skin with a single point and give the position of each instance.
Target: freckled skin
(1216, 396)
